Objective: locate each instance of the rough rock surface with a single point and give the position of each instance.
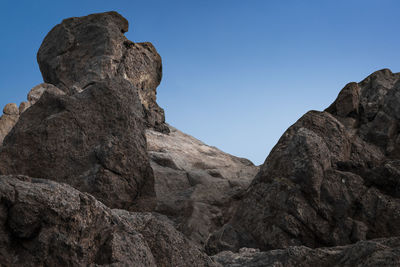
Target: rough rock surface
(83, 50)
(332, 179)
(196, 185)
(44, 223)
(93, 140)
(378, 252)
(11, 112)
(8, 120)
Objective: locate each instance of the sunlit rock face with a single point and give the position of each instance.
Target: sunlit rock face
(197, 186)
(332, 179)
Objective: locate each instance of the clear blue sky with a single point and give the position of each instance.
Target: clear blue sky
(236, 73)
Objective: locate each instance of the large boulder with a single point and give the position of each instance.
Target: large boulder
(93, 140)
(332, 179)
(83, 50)
(197, 186)
(44, 223)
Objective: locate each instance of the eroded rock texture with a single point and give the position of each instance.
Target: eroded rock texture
(197, 186)
(44, 223)
(332, 179)
(93, 140)
(8, 120)
(378, 252)
(83, 50)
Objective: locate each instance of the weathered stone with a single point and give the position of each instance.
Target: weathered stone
(347, 102)
(332, 179)
(8, 120)
(378, 252)
(24, 106)
(83, 50)
(11, 109)
(43, 223)
(92, 140)
(197, 186)
(36, 92)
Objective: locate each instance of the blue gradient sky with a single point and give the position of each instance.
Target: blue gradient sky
(236, 73)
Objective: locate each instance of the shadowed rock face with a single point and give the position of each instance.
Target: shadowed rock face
(332, 179)
(83, 50)
(44, 223)
(197, 186)
(93, 140)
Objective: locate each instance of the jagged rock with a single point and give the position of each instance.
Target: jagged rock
(332, 179)
(196, 185)
(83, 50)
(44, 223)
(93, 140)
(379, 252)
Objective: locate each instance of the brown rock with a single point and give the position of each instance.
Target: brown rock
(23, 106)
(8, 120)
(11, 109)
(43, 223)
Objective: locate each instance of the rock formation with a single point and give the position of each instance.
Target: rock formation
(81, 51)
(95, 139)
(332, 179)
(11, 112)
(8, 120)
(379, 252)
(44, 223)
(196, 185)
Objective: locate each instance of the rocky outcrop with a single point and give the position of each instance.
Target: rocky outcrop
(11, 112)
(43, 223)
(84, 50)
(197, 186)
(332, 179)
(93, 140)
(379, 252)
(8, 120)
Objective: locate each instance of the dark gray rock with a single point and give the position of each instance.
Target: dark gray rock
(378, 252)
(44, 223)
(332, 179)
(93, 140)
(83, 50)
